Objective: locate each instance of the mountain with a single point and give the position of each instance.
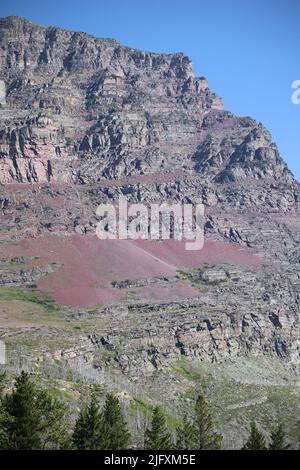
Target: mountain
(78, 109)
(85, 120)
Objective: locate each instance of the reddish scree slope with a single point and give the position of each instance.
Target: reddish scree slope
(88, 266)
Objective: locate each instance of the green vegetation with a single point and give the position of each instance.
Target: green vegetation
(186, 435)
(27, 295)
(256, 440)
(206, 437)
(33, 418)
(264, 395)
(183, 367)
(196, 277)
(139, 404)
(278, 439)
(88, 432)
(158, 435)
(199, 433)
(115, 428)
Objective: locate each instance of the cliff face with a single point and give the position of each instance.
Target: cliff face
(76, 108)
(79, 109)
(85, 120)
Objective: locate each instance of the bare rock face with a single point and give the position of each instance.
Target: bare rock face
(79, 109)
(2, 93)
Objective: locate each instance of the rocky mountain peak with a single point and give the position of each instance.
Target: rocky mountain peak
(79, 109)
(72, 102)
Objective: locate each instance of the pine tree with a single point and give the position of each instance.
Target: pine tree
(256, 440)
(278, 439)
(3, 437)
(2, 380)
(186, 436)
(115, 427)
(52, 426)
(20, 421)
(30, 418)
(206, 437)
(158, 436)
(89, 428)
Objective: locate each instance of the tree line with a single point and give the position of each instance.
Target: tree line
(32, 419)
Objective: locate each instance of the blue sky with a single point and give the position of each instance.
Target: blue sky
(247, 49)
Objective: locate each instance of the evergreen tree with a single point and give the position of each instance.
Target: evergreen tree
(88, 431)
(256, 440)
(52, 425)
(278, 439)
(206, 437)
(115, 427)
(30, 418)
(3, 444)
(2, 380)
(158, 436)
(20, 417)
(186, 436)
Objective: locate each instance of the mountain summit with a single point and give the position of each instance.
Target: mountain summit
(79, 109)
